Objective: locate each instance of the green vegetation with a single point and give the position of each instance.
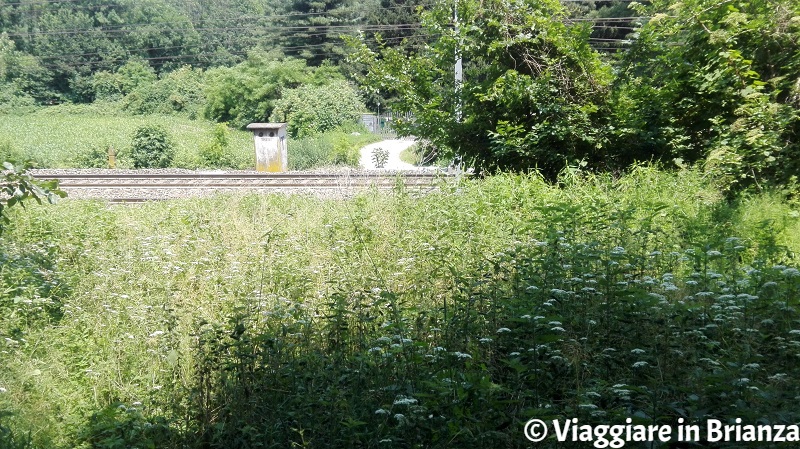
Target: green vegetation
(247, 92)
(216, 153)
(401, 320)
(380, 156)
(17, 187)
(704, 82)
(312, 109)
(338, 147)
(60, 136)
(527, 100)
(410, 156)
(152, 147)
(443, 320)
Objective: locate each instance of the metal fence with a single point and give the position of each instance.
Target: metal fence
(382, 123)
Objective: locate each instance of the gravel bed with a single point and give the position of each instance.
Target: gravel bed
(121, 194)
(344, 171)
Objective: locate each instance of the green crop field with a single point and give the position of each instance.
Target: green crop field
(56, 137)
(391, 320)
(60, 137)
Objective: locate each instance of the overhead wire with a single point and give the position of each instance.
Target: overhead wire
(307, 31)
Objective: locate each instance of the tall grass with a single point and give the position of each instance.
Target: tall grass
(398, 320)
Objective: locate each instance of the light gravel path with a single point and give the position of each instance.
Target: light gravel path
(395, 147)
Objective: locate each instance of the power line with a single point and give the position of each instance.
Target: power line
(163, 59)
(81, 31)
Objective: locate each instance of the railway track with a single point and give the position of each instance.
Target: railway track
(132, 187)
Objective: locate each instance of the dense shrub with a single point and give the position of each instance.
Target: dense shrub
(339, 147)
(14, 101)
(440, 320)
(94, 157)
(715, 83)
(117, 426)
(151, 147)
(178, 91)
(310, 109)
(216, 152)
(247, 92)
(113, 86)
(10, 153)
(10, 439)
(532, 94)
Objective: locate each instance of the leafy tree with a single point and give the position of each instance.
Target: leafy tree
(128, 77)
(531, 93)
(716, 82)
(177, 91)
(312, 109)
(21, 75)
(247, 92)
(75, 40)
(311, 29)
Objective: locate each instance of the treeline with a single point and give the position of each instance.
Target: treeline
(50, 51)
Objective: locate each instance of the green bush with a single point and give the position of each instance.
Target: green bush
(94, 157)
(344, 153)
(380, 156)
(118, 426)
(180, 91)
(216, 152)
(113, 86)
(151, 148)
(14, 101)
(339, 147)
(312, 109)
(246, 93)
(308, 153)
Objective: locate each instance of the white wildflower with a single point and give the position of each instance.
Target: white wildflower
(404, 401)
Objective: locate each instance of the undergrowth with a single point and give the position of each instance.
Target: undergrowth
(397, 320)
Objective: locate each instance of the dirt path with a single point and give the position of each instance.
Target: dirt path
(395, 147)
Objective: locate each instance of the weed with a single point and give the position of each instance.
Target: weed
(380, 157)
(391, 320)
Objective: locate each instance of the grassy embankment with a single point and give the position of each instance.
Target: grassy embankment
(393, 321)
(60, 137)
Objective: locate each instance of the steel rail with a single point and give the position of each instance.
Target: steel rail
(139, 187)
